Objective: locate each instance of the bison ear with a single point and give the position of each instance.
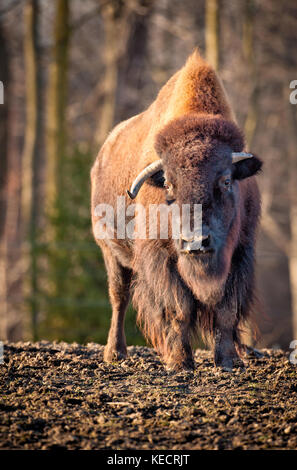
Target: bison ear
(245, 168)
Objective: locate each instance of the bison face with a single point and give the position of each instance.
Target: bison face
(201, 161)
(203, 164)
(205, 175)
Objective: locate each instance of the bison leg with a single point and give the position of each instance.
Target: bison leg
(119, 279)
(225, 354)
(177, 352)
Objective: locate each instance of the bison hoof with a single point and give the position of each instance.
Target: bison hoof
(112, 354)
(227, 363)
(187, 366)
(253, 352)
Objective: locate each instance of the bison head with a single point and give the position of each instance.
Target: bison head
(201, 162)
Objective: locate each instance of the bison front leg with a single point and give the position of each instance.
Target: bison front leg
(225, 353)
(119, 279)
(177, 351)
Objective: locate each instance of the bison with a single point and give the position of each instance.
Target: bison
(186, 148)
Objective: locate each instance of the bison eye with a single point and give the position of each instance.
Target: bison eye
(167, 186)
(225, 182)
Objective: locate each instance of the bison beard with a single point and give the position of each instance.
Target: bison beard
(169, 312)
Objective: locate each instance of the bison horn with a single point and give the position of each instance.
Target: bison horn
(143, 176)
(238, 156)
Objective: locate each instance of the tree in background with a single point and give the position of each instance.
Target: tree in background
(32, 161)
(73, 300)
(252, 111)
(11, 269)
(115, 14)
(4, 78)
(74, 304)
(133, 74)
(56, 152)
(4, 129)
(249, 57)
(291, 145)
(57, 103)
(292, 172)
(212, 32)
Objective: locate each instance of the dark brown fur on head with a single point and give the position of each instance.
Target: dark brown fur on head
(194, 148)
(187, 130)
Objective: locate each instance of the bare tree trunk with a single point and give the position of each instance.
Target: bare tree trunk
(249, 57)
(115, 25)
(4, 77)
(252, 113)
(57, 101)
(11, 266)
(133, 73)
(288, 244)
(31, 168)
(292, 172)
(11, 315)
(293, 260)
(212, 32)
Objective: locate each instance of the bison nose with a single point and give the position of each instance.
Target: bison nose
(198, 245)
(206, 239)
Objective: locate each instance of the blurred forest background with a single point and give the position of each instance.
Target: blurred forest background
(71, 70)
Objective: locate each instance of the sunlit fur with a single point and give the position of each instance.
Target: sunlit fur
(191, 127)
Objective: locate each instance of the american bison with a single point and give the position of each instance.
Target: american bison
(186, 148)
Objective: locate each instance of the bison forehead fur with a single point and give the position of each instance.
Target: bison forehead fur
(186, 129)
(190, 129)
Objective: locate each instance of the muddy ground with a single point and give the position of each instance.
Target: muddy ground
(61, 396)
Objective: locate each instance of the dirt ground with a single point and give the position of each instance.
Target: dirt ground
(63, 396)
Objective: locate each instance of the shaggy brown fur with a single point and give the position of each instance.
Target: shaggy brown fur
(191, 127)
